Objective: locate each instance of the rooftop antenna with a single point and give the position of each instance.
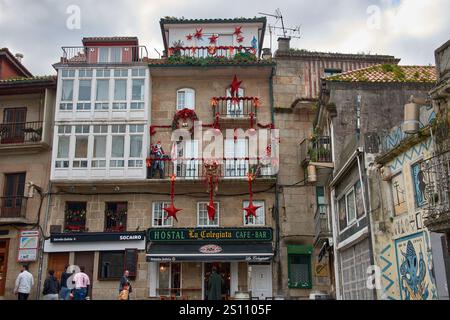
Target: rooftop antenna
(291, 32)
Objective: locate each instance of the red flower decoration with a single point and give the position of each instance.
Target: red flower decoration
(237, 31)
(189, 37)
(213, 39)
(198, 33)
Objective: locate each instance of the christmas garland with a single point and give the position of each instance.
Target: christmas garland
(183, 115)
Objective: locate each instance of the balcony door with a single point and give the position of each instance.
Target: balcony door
(12, 130)
(188, 167)
(235, 109)
(236, 152)
(13, 191)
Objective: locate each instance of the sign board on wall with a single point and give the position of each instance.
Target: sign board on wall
(28, 246)
(209, 234)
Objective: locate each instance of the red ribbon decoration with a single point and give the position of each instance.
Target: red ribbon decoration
(211, 208)
(172, 210)
(251, 209)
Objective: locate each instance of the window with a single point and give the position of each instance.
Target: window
(260, 214)
(121, 73)
(359, 199)
(135, 151)
(118, 128)
(84, 93)
(185, 99)
(169, 279)
(159, 216)
(103, 73)
(11, 204)
(110, 54)
(102, 90)
(299, 266)
(202, 215)
(66, 73)
(398, 194)
(120, 94)
(75, 216)
(235, 154)
(330, 72)
(62, 153)
(112, 264)
(116, 217)
(117, 152)
(99, 154)
(82, 129)
(137, 93)
(85, 73)
(235, 109)
(188, 169)
(138, 72)
(81, 149)
(418, 185)
(351, 210)
(67, 90)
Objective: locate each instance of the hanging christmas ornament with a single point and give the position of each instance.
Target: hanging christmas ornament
(234, 88)
(213, 39)
(189, 37)
(240, 39)
(211, 208)
(198, 33)
(237, 31)
(172, 210)
(251, 209)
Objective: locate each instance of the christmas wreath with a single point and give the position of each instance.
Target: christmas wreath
(184, 114)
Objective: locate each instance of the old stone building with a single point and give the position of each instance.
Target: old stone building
(304, 266)
(358, 108)
(26, 128)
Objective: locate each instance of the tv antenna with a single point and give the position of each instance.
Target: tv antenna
(287, 31)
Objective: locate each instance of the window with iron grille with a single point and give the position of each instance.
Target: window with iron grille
(299, 266)
(116, 216)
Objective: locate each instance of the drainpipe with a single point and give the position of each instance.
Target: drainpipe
(41, 250)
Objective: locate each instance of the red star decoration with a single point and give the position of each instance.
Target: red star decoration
(213, 39)
(240, 39)
(198, 33)
(235, 86)
(189, 37)
(237, 31)
(172, 212)
(251, 210)
(211, 210)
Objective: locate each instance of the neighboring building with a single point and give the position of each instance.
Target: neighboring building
(97, 213)
(26, 129)
(305, 261)
(356, 108)
(193, 82)
(11, 65)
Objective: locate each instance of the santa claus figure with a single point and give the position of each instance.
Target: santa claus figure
(158, 155)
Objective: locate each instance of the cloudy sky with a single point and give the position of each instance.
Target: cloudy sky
(409, 29)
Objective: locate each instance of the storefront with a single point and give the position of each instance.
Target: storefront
(105, 256)
(181, 260)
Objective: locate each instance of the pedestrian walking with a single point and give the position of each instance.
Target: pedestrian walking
(64, 293)
(215, 283)
(24, 283)
(82, 283)
(51, 286)
(125, 286)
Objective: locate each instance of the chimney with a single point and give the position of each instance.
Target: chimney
(19, 57)
(284, 44)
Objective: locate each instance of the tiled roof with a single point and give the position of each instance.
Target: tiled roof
(174, 20)
(332, 55)
(23, 80)
(388, 73)
(13, 59)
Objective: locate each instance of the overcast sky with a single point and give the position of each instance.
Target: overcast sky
(409, 29)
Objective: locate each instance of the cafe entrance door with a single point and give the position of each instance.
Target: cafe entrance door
(224, 269)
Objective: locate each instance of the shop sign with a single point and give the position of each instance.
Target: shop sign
(209, 234)
(28, 246)
(210, 249)
(100, 236)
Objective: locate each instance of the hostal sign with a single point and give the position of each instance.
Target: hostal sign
(210, 234)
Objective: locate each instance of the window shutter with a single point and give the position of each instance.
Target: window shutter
(190, 99)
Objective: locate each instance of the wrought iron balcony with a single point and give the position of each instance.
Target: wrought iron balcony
(321, 222)
(197, 169)
(21, 132)
(240, 108)
(13, 207)
(220, 52)
(317, 150)
(104, 54)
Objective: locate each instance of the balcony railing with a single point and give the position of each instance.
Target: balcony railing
(317, 149)
(237, 109)
(13, 207)
(227, 52)
(322, 228)
(194, 169)
(21, 132)
(104, 55)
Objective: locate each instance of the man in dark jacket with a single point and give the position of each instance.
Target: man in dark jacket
(64, 294)
(215, 283)
(51, 286)
(125, 283)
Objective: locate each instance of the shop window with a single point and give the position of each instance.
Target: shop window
(259, 220)
(299, 271)
(202, 215)
(169, 279)
(116, 217)
(75, 217)
(159, 216)
(112, 264)
(418, 185)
